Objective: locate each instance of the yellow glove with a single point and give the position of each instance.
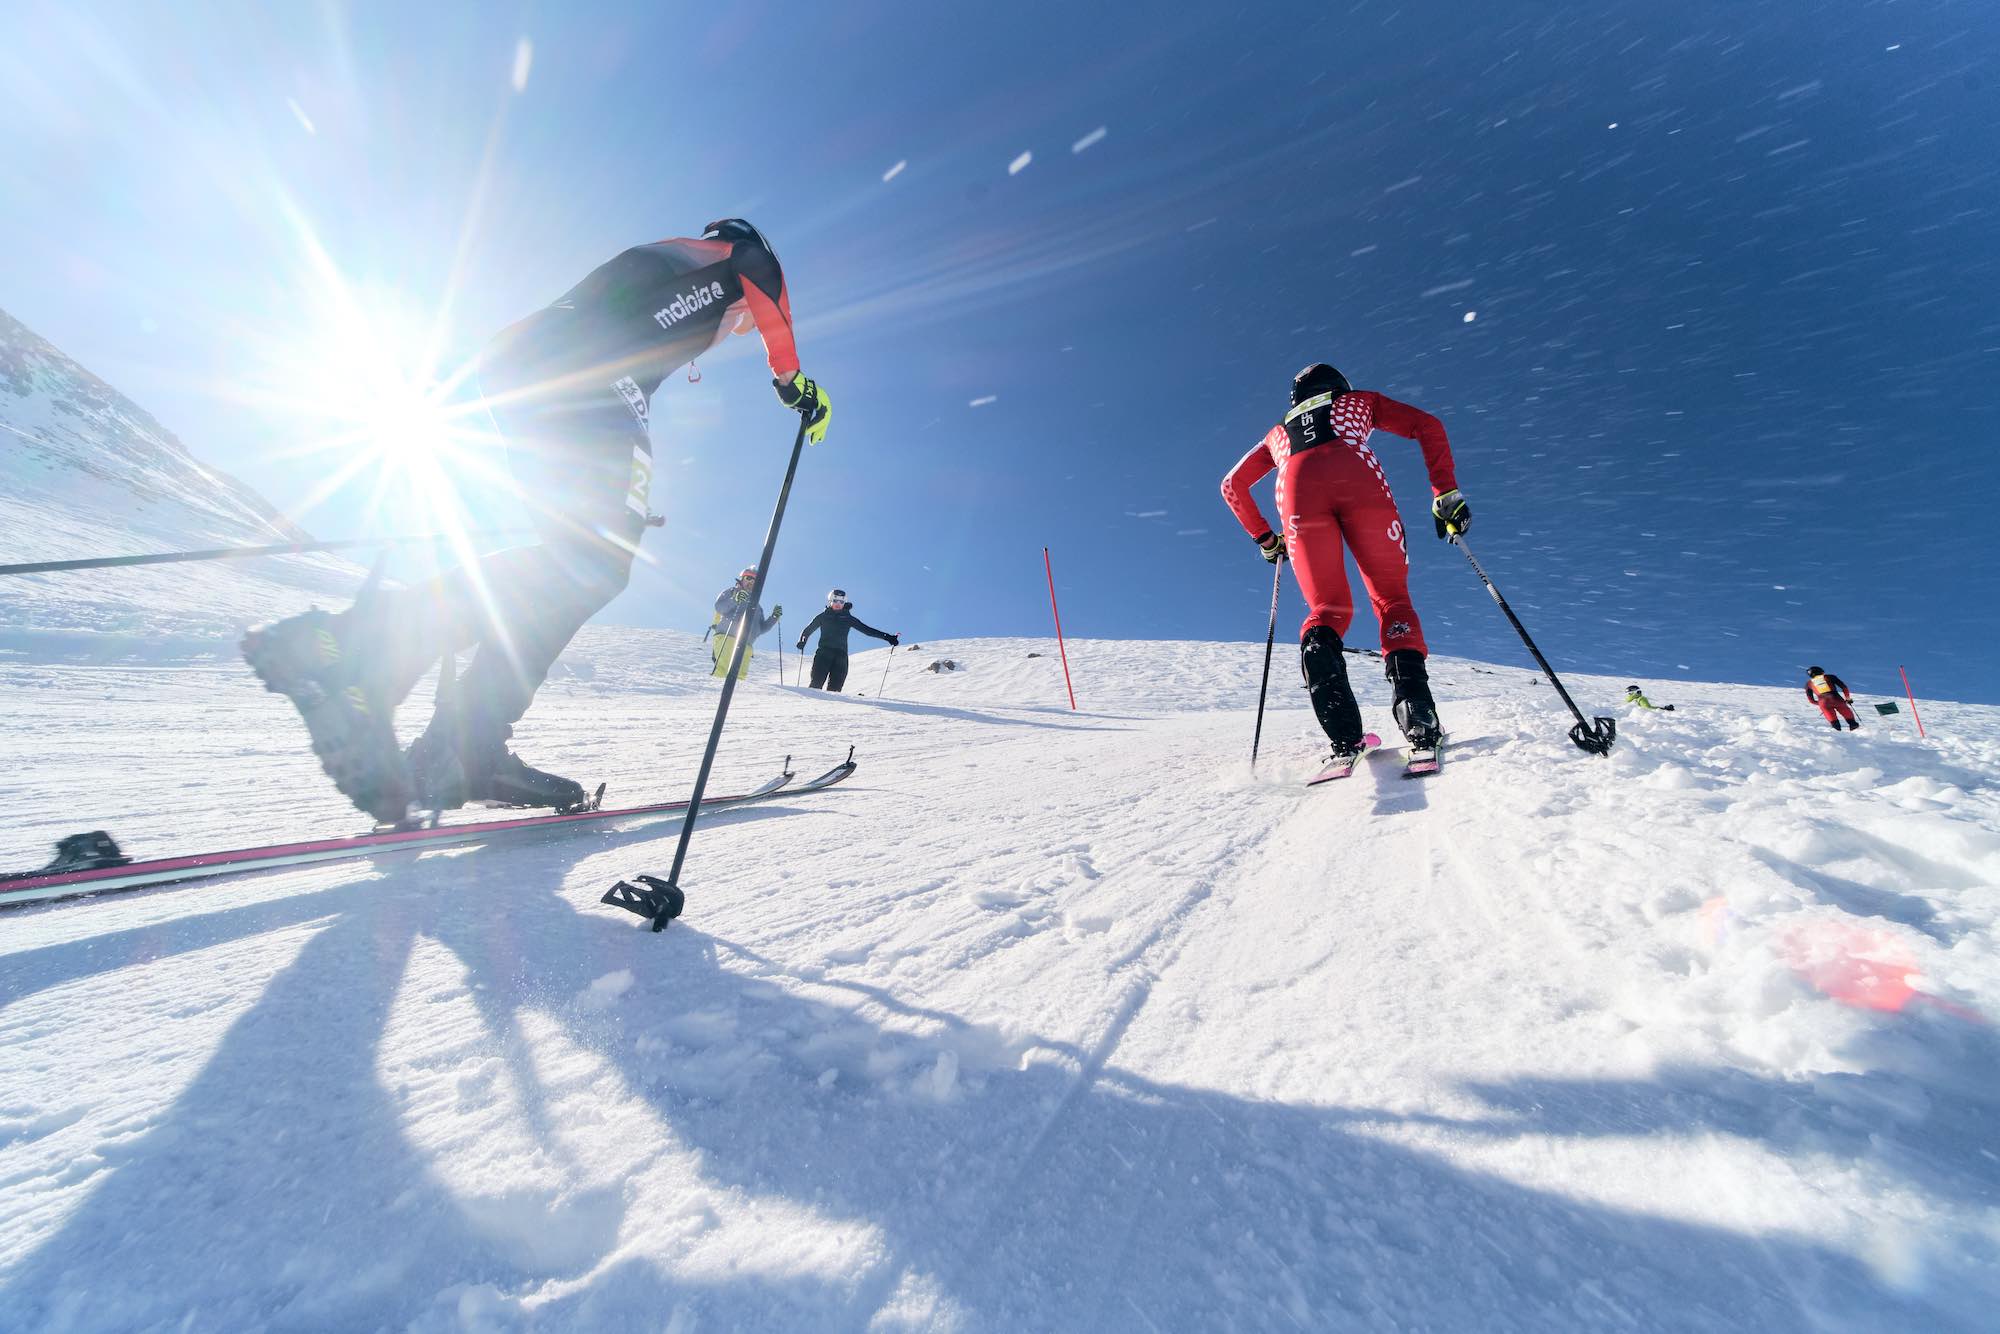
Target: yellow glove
(806, 398)
(1451, 514)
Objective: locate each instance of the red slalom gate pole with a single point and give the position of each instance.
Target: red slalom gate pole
(1060, 648)
(1913, 700)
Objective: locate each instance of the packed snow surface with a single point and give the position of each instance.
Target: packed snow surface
(1045, 1020)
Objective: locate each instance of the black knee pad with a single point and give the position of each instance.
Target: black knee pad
(1321, 654)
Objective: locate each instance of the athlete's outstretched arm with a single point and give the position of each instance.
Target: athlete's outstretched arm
(770, 306)
(1236, 486)
(1415, 424)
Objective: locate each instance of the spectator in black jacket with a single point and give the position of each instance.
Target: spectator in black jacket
(829, 670)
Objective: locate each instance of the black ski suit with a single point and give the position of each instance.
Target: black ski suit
(569, 387)
(829, 671)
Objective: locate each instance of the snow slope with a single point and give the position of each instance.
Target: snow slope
(1044, 1021)
(84, 471)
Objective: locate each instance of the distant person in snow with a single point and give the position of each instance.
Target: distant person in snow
(1832, 697)
(1637, 698)
(737, 617)
(1332, 496)
(569, 387)
(829, 669)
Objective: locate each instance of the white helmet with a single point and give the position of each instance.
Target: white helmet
(836, 597)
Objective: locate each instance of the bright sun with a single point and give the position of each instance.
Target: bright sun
(379, 418)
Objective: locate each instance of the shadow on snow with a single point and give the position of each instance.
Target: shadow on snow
(280, 1189)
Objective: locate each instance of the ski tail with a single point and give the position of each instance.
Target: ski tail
(1342, 766)
(1423, 761)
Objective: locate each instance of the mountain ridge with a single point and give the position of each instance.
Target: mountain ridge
(86, 471)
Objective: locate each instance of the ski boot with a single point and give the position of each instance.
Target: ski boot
(85, 852)
(447, 775)
(311, 660)
(1415, 710)
(1325, 667)
(1853, 725)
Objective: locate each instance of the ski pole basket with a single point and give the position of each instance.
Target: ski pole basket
(1593, 736)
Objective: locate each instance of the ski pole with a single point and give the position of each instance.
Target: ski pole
(885, 671)
(1270, 639)
(1596, 739)
(244, 553)
(781, 659)
(663, 903)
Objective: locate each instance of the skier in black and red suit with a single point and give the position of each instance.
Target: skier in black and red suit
(569, 388)
(1331, 497)
(1832, 698)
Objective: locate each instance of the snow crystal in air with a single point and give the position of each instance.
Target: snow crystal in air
(896, 170)
(1020, 164)
(1365, 250)
(1146, 514)
(605, 991)
(1402, 185)
(1612, 126)
(524, 60)
(982, 402)
(299, 111)
(941, 1080)
(1471, 315)
(1442, 288)
(1095, 135)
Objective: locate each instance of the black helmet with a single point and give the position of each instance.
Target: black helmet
(1812, 671)
(735, 229)
(1318, 378)
(1633, 690)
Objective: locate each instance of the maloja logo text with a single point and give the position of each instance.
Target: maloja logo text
(686, 304)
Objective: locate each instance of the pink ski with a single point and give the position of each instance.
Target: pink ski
(1343, 765)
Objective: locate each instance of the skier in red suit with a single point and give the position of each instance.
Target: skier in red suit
(1832, 698)
(1332, 497)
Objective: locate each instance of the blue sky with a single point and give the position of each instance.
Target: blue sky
(1725, 403)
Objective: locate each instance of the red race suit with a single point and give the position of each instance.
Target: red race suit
(1831, 696)
(1332, 496)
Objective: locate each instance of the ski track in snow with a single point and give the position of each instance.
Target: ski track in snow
(1043, 1020)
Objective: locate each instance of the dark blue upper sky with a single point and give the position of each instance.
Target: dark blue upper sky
(1724, 403)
